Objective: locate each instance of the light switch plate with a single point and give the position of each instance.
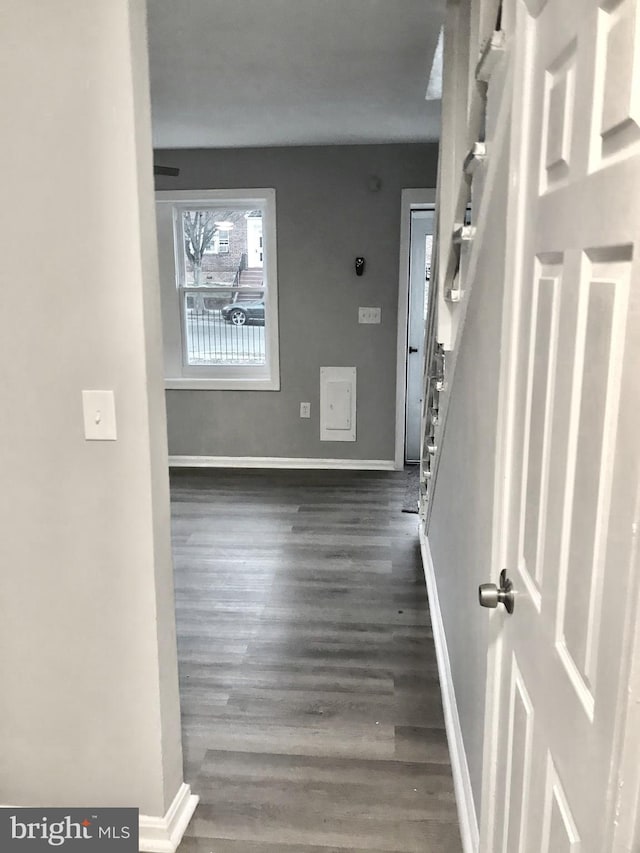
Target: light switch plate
(305, 410)
(369, 315)
(99, 408)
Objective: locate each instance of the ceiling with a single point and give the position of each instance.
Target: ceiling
(292, 72)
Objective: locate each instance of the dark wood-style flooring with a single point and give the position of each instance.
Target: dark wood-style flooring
(312, 720)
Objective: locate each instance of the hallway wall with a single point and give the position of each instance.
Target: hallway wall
(327, 214)
(89, 708)
(460, 532)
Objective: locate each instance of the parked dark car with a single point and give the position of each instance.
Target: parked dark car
(240, 313)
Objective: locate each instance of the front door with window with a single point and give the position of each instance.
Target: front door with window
(254, 242)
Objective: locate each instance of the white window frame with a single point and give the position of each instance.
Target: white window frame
(178, 373)
(223, 242)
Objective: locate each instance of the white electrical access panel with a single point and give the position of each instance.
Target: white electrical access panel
(337, 404)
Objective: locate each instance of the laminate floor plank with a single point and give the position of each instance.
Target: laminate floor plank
(224, 845)
(311, 711)
(287, 678)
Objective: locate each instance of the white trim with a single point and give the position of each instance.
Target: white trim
(180, 375)
(239, 383)
(411, 199)
(511, 111)
(626, 781)
(280, 462)
(469, 829)
(251, 194)
(164, 834)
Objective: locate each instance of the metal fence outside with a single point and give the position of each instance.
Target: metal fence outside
(213, 340)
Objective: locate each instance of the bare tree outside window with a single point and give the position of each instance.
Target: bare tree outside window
(199, 230)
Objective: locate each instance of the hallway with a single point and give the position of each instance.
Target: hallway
(311, 707)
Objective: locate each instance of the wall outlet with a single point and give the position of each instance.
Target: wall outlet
(369, 315)
(305, 410)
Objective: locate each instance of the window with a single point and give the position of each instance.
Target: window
(222, 238)
(220, 243)
(217, 251)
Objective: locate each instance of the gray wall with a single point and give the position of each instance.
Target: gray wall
(326, 216)
(89, 706)
(460, 533)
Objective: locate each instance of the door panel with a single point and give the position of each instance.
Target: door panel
(595, 399)
(559, 830)
(618, 115)
(542, 362)
(519, 762)
(572, 457)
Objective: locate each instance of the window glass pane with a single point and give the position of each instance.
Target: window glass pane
(224, 306)
(220, 288)
(222, 246)
(224, 327)
(428, 254)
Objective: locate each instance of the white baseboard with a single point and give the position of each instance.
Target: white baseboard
(164, 834)
(280, 462)
(469, 829)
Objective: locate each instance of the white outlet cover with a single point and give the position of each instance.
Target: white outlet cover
(305, 410)
(369, 315)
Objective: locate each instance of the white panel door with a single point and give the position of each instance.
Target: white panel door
(572, 457)
(419, 274)
(254, 242)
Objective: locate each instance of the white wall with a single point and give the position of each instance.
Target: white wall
(89, 712)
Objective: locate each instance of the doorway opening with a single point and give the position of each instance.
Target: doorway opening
(417, 226)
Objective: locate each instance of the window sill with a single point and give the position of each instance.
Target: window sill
(233, 384)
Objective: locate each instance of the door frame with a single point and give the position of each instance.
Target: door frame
(514, 215)
(411, 199)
